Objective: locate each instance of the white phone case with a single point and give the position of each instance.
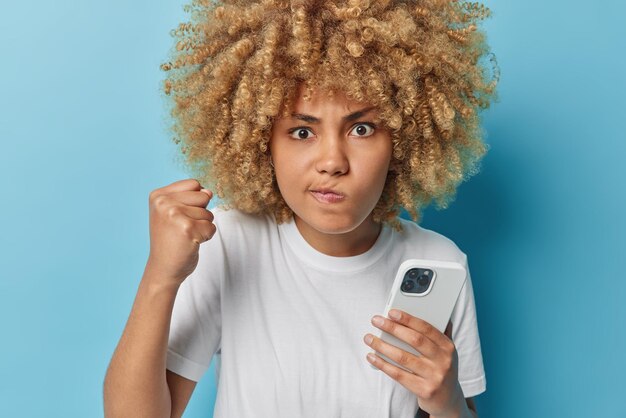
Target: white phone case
(434, 305)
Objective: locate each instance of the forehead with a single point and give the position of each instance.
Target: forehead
(317, 100)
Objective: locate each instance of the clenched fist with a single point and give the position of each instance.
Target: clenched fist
(179, 222)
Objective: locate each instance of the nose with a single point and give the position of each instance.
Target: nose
(332, 157)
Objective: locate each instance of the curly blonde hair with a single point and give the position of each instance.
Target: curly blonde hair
(237, 66)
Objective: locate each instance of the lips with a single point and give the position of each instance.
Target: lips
(325, 195)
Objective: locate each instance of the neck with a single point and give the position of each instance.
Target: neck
(345, 244)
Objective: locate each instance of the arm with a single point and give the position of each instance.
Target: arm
(181, 389)
(136, 382)
(472, 407)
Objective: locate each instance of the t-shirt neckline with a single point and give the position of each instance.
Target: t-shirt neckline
(320, 261)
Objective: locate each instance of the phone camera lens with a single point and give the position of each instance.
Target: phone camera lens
(423, 280)
(413, 273)
(407, 286)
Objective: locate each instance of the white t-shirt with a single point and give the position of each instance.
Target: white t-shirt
(289, 321)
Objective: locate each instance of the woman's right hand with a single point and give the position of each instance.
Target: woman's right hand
(179, 222)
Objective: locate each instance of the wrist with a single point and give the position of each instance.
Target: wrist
(156, 281)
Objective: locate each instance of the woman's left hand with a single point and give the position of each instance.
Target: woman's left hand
(434, 377)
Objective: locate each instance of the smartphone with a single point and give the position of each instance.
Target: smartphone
(427, 289)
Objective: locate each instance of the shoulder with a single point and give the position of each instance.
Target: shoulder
(234, 217)
(238, 234)
(235, 223)
(431, 244)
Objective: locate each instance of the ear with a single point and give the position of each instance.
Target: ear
(394, 166)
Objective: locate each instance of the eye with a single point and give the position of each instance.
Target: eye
(300, 133)
(363, 129)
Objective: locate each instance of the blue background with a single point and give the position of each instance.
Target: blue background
(83, 142)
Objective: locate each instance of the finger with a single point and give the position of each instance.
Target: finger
(409, 380)
(203, 231)
(414, 338)
(197, 213)
(417, 364)
(421, 326)
(177, 186)
(192, 198)
(448, 331)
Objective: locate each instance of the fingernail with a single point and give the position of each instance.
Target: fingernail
(393, 314)
(378, 321)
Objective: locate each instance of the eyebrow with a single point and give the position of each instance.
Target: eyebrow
(348, 118)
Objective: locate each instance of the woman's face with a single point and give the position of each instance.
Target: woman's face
(331, 163)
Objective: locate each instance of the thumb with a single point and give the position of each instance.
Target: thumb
(207, 191)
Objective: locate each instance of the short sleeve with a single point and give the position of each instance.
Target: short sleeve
(195, 328)
(467, 341)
